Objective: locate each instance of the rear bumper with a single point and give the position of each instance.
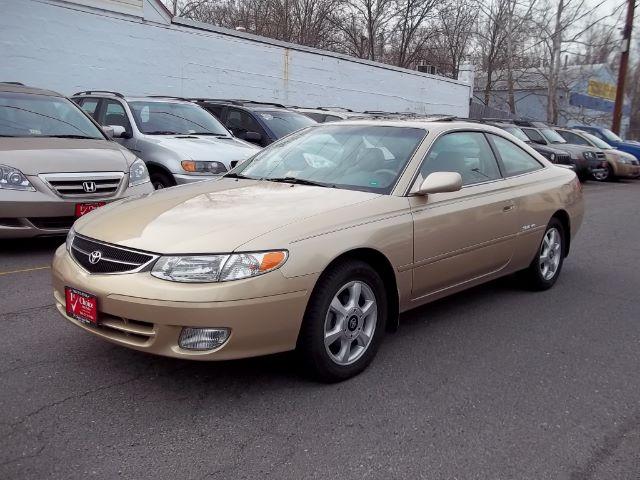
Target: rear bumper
(43, 213)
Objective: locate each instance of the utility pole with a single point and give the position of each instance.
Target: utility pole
(624, 64)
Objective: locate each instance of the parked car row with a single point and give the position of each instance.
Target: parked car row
(590, 155)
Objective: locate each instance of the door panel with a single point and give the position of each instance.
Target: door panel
(462, 235)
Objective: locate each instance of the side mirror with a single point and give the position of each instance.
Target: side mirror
(253, 137)
(118, 131)
(440, 182)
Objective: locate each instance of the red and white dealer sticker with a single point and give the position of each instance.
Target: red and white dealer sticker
(84, 208)
(81, 306)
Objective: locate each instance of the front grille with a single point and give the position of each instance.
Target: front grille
(10, 222)
(601, 156)
(563, 159)
(52, 223)
(94, 184)
(131, 331)
(112, 259)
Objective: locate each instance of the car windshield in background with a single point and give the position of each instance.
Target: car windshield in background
(552, 136)
(356, 157)
(609, 135)
(30, 115)
(283, 123)
(596, 141)
(518, 133)
(172, 118)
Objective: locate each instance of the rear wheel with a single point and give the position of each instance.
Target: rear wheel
(546, 266)
(344, 322)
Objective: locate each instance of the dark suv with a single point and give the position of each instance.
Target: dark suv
(554, 155)
(588, 161)
(257, 122)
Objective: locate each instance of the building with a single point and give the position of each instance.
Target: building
(586, 94)
(138, 48)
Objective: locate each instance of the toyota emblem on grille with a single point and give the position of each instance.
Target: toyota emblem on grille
(89, 187)
(95, 256)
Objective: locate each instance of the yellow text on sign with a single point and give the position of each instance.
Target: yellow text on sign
(601, 89)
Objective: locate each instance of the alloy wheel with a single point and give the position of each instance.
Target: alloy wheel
(350, 322)
(550, 253)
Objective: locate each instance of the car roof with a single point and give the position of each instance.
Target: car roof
(435, 123)
(16, 87)
(131, 98)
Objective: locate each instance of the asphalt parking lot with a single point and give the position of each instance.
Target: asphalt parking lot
(493, 383)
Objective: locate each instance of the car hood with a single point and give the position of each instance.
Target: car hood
(575, 149)
(193, 147)
(214, 216)
(33, 156)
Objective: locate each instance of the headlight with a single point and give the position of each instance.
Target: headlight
(589, 155)
(552, 157)
(217, 268)
(13, 179)
(193, 166)
(624, 160)
(138, 173)
(70, 237)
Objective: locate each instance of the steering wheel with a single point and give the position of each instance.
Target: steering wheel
(386, 171)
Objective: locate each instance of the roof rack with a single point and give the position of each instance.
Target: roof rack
(237, 101)
(334, 109)
(20, 84)
(91, 92)
(170, 97)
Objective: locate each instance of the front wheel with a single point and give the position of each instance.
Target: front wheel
(605, 175)
(344, 322)
(545, 268)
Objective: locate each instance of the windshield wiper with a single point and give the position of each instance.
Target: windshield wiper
(297, 181)
(238, 175)
(163, 132)
(69, 136)
(212, 134)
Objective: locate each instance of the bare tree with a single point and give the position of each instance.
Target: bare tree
(457, 22)
(411, 17)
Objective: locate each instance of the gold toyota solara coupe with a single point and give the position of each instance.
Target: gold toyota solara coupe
(318, 243)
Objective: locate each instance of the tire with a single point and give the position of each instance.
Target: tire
(541, 275)
(606, 176)
(161, 180)
(351, 329)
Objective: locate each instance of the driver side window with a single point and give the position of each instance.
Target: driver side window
(467, 153)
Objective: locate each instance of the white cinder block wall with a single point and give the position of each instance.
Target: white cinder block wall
(97, 44)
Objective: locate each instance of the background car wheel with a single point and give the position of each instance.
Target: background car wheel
(604, 176)
(547, 264)
(161, 180)
(344, 322)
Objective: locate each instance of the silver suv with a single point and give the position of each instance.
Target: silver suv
(179, 141)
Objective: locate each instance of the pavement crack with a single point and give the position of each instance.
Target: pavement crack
(74, 397)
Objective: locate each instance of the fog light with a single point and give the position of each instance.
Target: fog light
(202, 338)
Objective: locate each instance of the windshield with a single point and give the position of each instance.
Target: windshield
(552, 136)
(282, 122)
(356, 157)
(172, 118)
(518, 133)
(596, 141)
(30, 115)
(609, 135)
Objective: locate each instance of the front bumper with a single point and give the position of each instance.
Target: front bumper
(625, 170)
(43, 213)
(182, 179)
(142, 312)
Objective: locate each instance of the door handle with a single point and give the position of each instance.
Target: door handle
(508, 208)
